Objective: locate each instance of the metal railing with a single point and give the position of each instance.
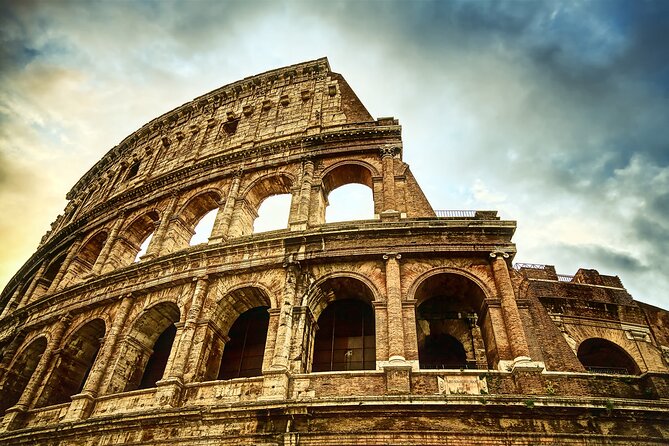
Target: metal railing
(565, 277)
(461, 213)
(609, 370)
(518, 266)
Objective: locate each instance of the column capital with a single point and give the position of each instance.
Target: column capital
(389, 150)
(392, 255)
(499, 253)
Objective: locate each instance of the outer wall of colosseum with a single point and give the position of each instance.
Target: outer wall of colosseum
(413, 327)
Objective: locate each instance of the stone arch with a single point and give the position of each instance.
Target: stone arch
(130, 239)
(244, 306)
(88, 254)
(246, 208)
(450, 313)
(344, 173)
(20, 371)
(600, 355)
(72, 363)
(344, 335)
(182, 228)
(142, 358)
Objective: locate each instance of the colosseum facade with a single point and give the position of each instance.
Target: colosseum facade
(413, 327)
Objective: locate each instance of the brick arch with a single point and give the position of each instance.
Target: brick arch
(139, 344)
(130, 239)
(601, 355)
(252, 196)
(20, 371)
(245, 304)
(73, 363)
(450, 306)
(317, 298)
(347, 172)
(411, 291)
(182, 228)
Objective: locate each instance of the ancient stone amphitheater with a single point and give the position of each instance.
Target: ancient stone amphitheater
(412, 327)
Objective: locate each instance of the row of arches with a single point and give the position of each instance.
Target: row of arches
(236, 340)
(268, 203)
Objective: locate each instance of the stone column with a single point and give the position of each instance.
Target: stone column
(9, 353)
(158, 238)
(13, 301)
(387, 155)
(270, 343)
(394, 300)
(514, 327)
(14, 415)
(185, 341)
(83, 403)
(31, 289)
(109, 243)
(221, 226)
(299, 222)
(74, 249)
(276, 379)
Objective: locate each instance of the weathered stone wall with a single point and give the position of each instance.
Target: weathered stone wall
(82, 321)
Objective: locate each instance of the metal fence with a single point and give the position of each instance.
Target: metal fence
(461, 213)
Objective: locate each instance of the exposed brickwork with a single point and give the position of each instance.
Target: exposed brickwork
(97, 348)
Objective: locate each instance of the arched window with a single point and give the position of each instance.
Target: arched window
(73, 364)
(273, 213)
(128, 246)
(348, 194)
(448, 323)
(345, 339)
(133, 170)
(601, 356)
(155, 366)
(143, 247)
(350, 202)
(244, 352)
(146, 349)
(20, 372)
(203, 228)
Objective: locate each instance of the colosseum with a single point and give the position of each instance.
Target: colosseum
(413, 327)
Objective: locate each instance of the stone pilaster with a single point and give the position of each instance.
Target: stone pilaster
(109, 243)
(514, 327)
(387, 156)
(83, 403)
(302, 217)
(74, 249)
(221, 226)
(283, 335)
(158, 239)
(14, 415)
(394, 302)
(31, 289)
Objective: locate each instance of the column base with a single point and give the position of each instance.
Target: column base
(391, 215)
(169, 392)
(13, 419)
(398, 376)
(81, 407)
(275, 385)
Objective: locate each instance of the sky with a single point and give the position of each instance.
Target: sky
(554, 113)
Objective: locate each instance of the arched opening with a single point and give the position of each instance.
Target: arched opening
(20, 372)
(350, 202)
(155, 366)
(73, 364)
(133, 170)
(49, 274)
(347, 194)
(451, 329)
(273, 213)
(244, 352)
(237, 335)
(601, 356)
(85, 259)
(146, 349)
(345, 339)
(143, 248)
(203, 228)
(264, 191)
(131, 245)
